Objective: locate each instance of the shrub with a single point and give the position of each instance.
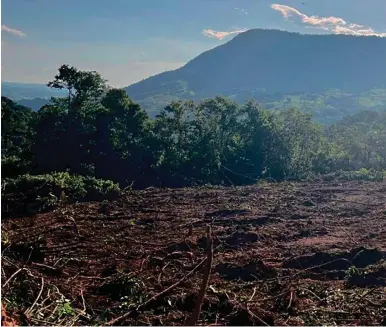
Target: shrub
(12, 166)
(362, 174)
(29, 194)
(100, 189)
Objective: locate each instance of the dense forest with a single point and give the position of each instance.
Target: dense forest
(84, 145)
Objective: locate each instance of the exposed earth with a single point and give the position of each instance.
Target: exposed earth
(284, 254)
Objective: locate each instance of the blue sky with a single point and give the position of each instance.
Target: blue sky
(129, 40)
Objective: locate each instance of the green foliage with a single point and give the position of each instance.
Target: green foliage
(65, 309)
(302, 141)
(36, 193)
(362, 174)
(359, 141)
(12, 166)
(352, 271)
(17, 132)
(99, 189)
(79, 144)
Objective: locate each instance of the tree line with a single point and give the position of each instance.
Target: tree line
(99, 131)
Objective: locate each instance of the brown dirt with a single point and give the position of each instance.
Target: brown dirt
(285, 254)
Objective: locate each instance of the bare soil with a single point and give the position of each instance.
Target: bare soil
(285, 254)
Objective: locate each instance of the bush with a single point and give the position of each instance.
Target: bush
(29, 194)
(100, 189)
(362, 174)
(12, 166)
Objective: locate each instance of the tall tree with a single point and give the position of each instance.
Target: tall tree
(85, 89)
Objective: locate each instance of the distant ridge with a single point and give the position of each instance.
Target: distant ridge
(271, 61)
(18, 91)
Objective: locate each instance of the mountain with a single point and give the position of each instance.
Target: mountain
(272, 66)
(329, 76)
(21, 91)
(35, 103)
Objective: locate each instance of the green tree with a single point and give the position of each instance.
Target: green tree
(302, 143)
(85, 89)
(50, 140)
(17, 131)
(119, 146)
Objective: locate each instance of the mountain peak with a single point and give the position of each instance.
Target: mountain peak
(272, 60)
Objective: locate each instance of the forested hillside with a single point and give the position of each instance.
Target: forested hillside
(100, 132)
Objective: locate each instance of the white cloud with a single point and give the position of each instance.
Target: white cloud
(354, 29)
(287, 12)
(221, 34)
(242, 10)
(12, 31)
(333, 24)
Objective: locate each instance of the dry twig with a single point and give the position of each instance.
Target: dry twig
(192, 321)
(36, 300)
(13, 275)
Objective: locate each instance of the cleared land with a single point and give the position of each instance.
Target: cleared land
(285, 254)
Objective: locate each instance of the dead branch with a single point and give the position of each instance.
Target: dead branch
(52, 269)
(36, 300)
(84, 302)
(163, 268)
(114, 321)
(13, 275)
(253, 295)
(309, 291)
(256, 317)
(291, 299)
(192, 321)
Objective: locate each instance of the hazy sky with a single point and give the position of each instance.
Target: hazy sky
(129, 40)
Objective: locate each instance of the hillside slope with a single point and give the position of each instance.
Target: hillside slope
(260, 63)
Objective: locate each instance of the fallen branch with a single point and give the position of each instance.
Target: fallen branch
(114, 321)
(253, 295)
(367, 293)
(159, 276)
(13, 275)
(192, 321)
(36, 300)
(291, 299)
(83, 301)
(256, 317)
(55, 270)
(309, 291)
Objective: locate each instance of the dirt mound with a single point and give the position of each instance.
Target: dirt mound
(358, 257)
(254, 270)
(240, 239)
